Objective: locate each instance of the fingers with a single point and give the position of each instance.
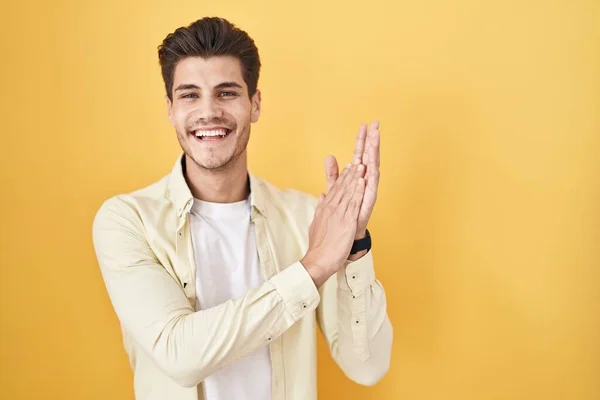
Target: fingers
(331, 171)
(372, 156)
(359, 146)
(366, 155)
(356, 199)
(372, 146)
(331, 194)
(351, 187)
(336, 193)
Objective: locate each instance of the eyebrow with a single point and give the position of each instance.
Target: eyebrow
(222, 85)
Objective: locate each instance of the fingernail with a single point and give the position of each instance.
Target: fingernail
(348, 165)
(360, 167)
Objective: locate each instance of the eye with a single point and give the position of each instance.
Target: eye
(227, 94)
(189, 96)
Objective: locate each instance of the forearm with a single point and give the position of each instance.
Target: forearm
(353, 317)
(190, 345)
(364, 333)
(198, 344)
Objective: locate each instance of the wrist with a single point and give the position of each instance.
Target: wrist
(361, 245)
(354, 257)
(318, 273)
(360, 234)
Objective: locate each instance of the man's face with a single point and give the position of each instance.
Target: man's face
(211, 110)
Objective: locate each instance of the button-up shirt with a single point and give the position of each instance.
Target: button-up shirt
(144, 248)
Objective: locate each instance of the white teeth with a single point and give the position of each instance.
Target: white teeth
(219, 132)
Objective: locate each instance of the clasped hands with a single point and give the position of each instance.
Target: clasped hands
(343, 211)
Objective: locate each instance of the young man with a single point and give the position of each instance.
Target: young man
(218, 278)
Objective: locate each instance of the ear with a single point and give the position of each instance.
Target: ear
(255, 113)
(170, 110)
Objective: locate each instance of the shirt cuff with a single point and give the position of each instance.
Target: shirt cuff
(357, 276)
(297, 289)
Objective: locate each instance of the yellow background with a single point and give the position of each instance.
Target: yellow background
(486, 233)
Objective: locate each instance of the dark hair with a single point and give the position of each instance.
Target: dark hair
(209, 37)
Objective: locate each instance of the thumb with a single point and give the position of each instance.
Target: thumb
(321, 197)
(332, 171)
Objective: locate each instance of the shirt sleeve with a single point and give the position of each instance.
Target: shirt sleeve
(185, 344)
(353, 318)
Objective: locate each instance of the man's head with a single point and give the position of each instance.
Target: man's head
(211, 69)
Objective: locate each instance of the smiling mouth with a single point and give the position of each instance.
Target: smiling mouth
(211, 135)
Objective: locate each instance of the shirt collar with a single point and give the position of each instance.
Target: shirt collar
(180, 195)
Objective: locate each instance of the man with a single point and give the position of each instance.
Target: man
(217, 277)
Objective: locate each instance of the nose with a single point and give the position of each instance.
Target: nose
(209, 109)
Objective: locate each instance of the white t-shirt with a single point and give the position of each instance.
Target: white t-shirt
(227, 266)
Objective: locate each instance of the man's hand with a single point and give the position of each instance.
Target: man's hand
(366, 152)
(333, 228)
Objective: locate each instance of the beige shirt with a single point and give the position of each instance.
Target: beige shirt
(144, 248)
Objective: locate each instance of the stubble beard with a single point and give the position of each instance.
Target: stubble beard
(212, 163)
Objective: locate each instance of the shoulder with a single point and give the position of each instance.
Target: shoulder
(131, 208)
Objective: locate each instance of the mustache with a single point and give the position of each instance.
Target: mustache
(197, 124)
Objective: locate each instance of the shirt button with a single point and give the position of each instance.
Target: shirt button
(304, 305)
(354, 276)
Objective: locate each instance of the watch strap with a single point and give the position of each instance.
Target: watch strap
(361, 244)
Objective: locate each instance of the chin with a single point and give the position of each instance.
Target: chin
(212, 163)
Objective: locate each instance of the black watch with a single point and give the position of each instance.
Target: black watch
(361, 244)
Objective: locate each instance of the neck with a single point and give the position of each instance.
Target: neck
(228, 185)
